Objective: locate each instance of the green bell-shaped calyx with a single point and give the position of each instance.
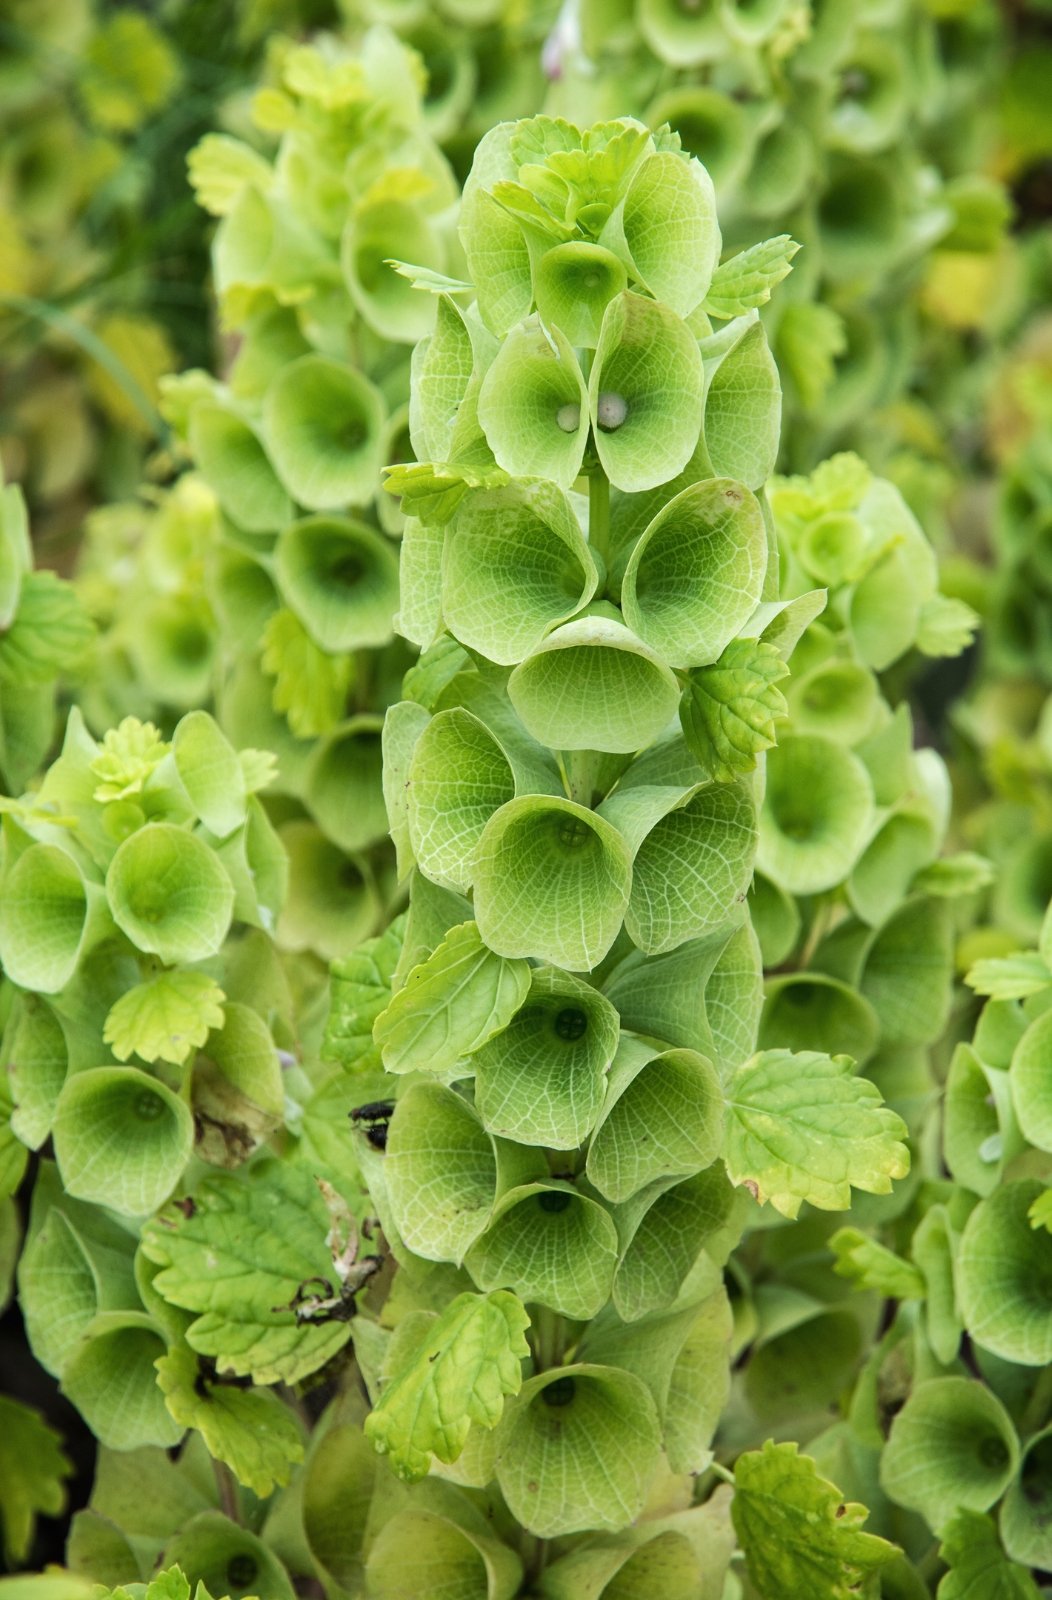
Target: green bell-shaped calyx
(675, 1096)
(169, 893)
(550, 1244)
(341, 579)
(533, 405)
(122, 1139)
(51, 912)
(552, 881)
(323, 424)
(644, 393)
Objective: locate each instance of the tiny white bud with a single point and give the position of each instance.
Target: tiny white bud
(611, 411)
(569, 417)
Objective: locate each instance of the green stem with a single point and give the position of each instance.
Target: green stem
(581, 768)
(228, 1497)
(1037, 1407)
(599, 515)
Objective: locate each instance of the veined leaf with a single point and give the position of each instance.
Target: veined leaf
(428, 279)
(729, 710)
(947, 626)
(802, 1127)
(360, 990)
(1010, 977)
(166, 1018)
(459, 1373)
(33, 1466)
(746, 280)
(799, 1535)
(450, 1004)
(979, 1569)
(219, 167)
(870, 1265)
(433, 491)
(310, 687)
(249, 1429)
(50, 633)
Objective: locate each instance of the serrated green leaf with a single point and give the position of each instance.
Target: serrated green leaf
(947, 626)
(432, 491)
(237, 1258)
(428, 279)
(746, 280)
(219, 167)
(799, 1535)
(729, 710)
(870, 1265)
(33, 1466)
(960, 874)
(803, 1127)
(1040, 1213)
(310, 687)
(979, 1568)
(250, 1430)
(50, 633)
(810, 338)
(360, 990)
(126, 757)
(166, 1018)
(467, 1361)
(450, 1004)
(1009, 977)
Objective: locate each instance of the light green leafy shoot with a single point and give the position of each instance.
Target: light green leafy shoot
(947, 626)
(126, 757)
(360, 990)
(1009, 977)
(950, 876)
(835, 485)
(239, 1259)
(803, 1127)
(166, 1018)
(450, 1004)
(310, 687)
(469, 1359)
(251, 1430)
(729, 711)
(979, 1569)
(870, 1265)
(810, 338)
(429, 280)
(1040, 1213)
(433, 490)
(32, 1468)
(799, 1535)
(169, 1585)
(219, 167)
(746, 280)
(50, 634)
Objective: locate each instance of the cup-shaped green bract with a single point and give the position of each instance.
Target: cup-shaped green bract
(172, 644)
(692, 862)
(816, 815)
(810, 1011)
(859, 217)
(838, 698)
(663, 1117)
(1031, 1082)
(644, 393)
(227, 1559)
(533, 405)
(1004, 1277)
(50, 916)
(667, 1563)
(594, 685)
(800, 1367)
(440, 1171)
(577, 1450)
(782, 165)
(458, 777)
(323, 424)
(169, 893)
(1026, 1513)
(376, 233)
(514, 565)
(37, 1058)
(263, 243)
(551, 1245)
(973, 1119)
(880, 881)
(543, 1078)
(111, 1379)
(231, 457)
(552, 881)
(341, 579)
(496, 251)
(667, 226)
(665, 1227)
(122, 1139)
(952, 1448)
(238, 1095)
(418, 1552)
(873, 97)
(345, 784)
(712, 126)
(696, 575)
(333, 902)
(743, 405)
(683, 35)
(573, 284)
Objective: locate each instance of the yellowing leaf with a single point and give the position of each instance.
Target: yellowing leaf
(799, 1536)
(166, 1018)
(32, 1468)
(460, 1372)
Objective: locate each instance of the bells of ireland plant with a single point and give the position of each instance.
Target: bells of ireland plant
(560, 1104)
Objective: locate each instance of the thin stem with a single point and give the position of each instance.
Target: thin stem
(228, 1497)
(599, 515)
(580, 769)
(1037, 1407)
